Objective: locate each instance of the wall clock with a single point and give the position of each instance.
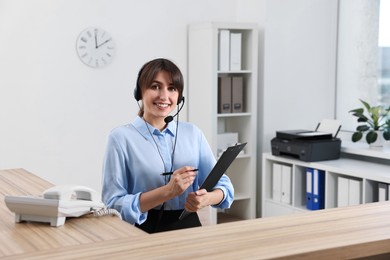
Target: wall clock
(95, 47)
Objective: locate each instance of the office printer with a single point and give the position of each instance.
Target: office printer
(306, 145)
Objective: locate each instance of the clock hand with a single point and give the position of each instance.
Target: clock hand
(103, 43)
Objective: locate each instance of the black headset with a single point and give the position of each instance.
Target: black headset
(138, 92)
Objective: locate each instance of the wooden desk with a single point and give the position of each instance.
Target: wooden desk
(340, 233)
(18, 238)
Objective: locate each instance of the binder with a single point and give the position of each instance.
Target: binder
(277, 182)
(224, 95)
(237, 94)
(388, 191)
(286, 184)
(342, 191)
(318, 189)
(309, 188)
(224, 50)
(281, 183)
(382, 191)
(315, 189)
(349, 192)
(354, 192)
(235, 51)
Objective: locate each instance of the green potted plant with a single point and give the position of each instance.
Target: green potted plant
(374, 120)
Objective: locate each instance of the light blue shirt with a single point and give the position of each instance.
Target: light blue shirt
(132, 165)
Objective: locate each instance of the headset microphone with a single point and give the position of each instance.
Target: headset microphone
(170, 118)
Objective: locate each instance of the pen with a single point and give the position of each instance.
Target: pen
(170, 173)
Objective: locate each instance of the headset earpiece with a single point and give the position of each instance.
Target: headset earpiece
(137, 95)
(137, 90)
(180, 99)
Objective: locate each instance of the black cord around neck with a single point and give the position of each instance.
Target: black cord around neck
(154, 140)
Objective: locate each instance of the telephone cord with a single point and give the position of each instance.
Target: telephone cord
(105, 212)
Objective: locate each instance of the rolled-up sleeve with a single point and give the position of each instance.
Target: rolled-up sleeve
(227, 188)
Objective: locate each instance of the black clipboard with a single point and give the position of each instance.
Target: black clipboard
(219, 169)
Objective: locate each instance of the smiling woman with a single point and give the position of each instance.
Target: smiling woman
(156, 76)
(138, 153)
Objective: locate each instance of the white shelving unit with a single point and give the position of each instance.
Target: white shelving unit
(369, 175)
(203, 77)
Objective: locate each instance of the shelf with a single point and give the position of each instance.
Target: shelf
(362, 177)
(204, 79)
(346, 166)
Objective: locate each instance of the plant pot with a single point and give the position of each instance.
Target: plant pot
(380, 141)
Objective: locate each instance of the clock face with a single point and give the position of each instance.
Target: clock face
(95, 47)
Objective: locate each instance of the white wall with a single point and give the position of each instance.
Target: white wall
(299, 65)
(55, 112)
(357, 58)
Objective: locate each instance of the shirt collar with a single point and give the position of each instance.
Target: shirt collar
(141, 127)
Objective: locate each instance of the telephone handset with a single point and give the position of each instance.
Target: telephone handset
(56, 204)
(71, 192)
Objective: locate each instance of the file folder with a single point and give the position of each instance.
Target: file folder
(349, 191)
(235, 51)
(342, 191)
(382, 191)
(355, 192)
(277, 182)
(388, 192)
(224, 95)
(286, 184)
(224, 50)
(219, 169)
(237, 94)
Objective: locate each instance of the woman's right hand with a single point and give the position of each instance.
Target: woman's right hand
(180, 180)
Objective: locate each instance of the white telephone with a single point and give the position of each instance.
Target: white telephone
(56, 204)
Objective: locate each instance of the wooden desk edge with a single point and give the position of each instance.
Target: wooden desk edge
(224, 241)
(119, 248)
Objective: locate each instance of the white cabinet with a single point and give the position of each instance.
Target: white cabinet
(347, 182)
(204, 76)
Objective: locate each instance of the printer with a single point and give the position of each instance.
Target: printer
(307, 145)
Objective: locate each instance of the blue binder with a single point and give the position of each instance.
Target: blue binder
(309, 188)
(315, 189)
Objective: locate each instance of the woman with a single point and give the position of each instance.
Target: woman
(139, 153)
